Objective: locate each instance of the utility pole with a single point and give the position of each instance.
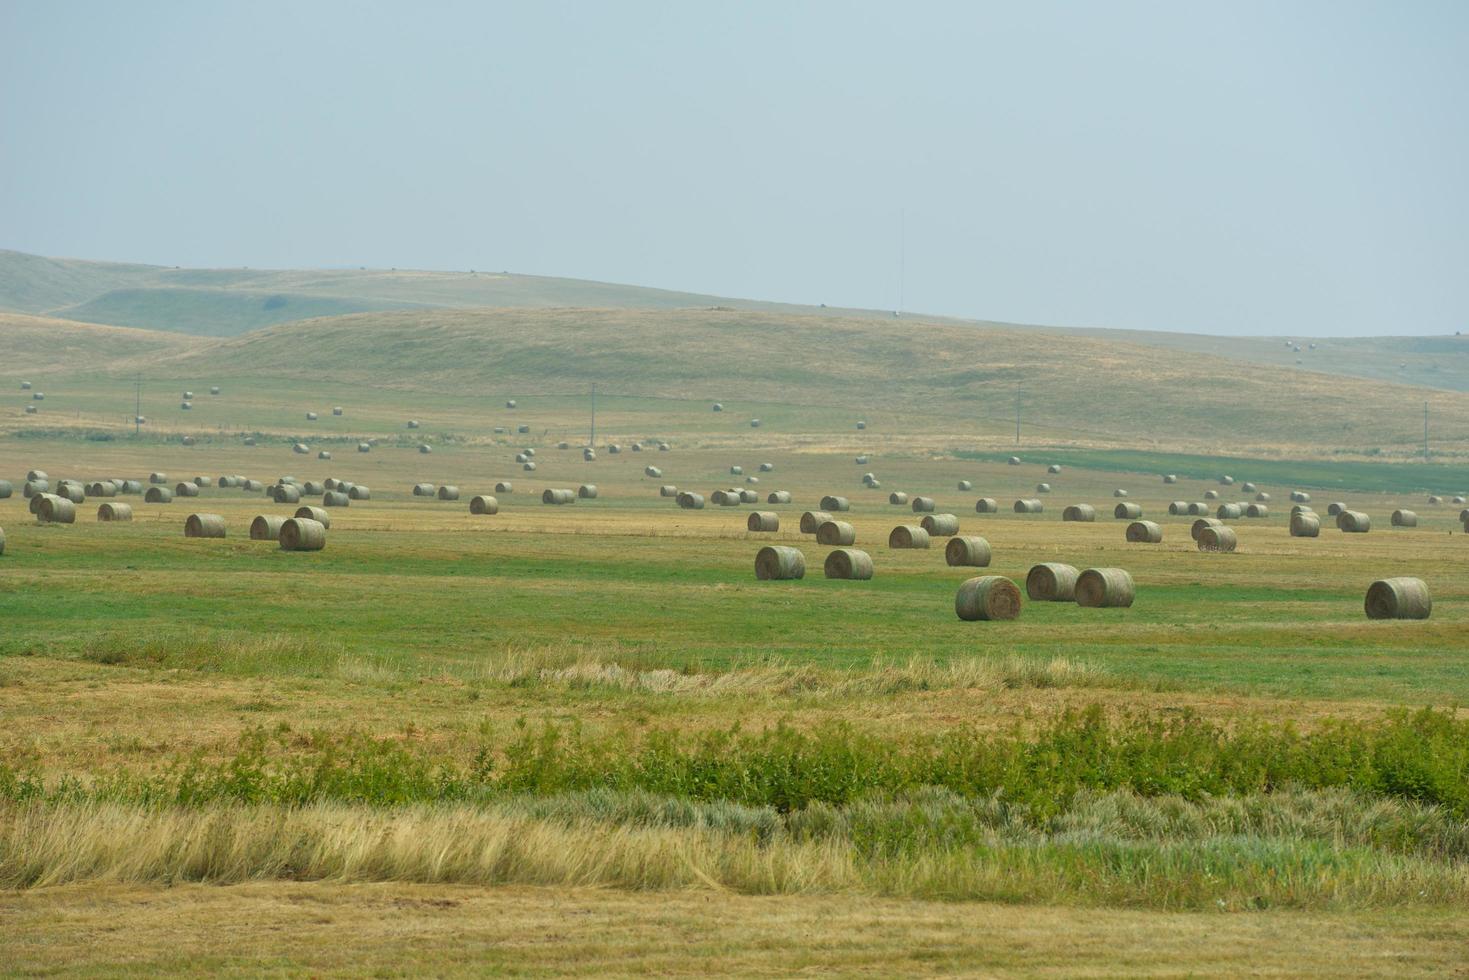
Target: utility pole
(593, 442)
(138, 405)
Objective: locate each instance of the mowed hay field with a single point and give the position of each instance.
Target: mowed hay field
(592, 727)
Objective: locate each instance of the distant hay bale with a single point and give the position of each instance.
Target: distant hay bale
(778, 562)
(521, 458)
(652, 472)
(861, 424)
(266, 527)
(483, 504)
(1257, 511)
(940, 525)
(589, 455)
(313, 489)
(835, 504)
(1305, 524)
(302, 534)
(689, 501)
(1353, 522)
(41, 476)
(1211, 494)
(5, 489)
(1144, 532)
(1105, 588)
(1170, 478)
(504, 486)
(335, 498)
(563, 445)
(762, 521)
(869, 479)
(102, 488)
(669, 490)
(637, 447)
(897, 498)
(558, 497)
(364, 447)
(725, 498)
(968, 550)
(132, 488)
(447, 492)
(301, 449)
(249, 440)
(1301, 508)
(1014, 461)
(749, 497)
(1029, 506)
(1119, 492)
(1083, 513)
(214, 389)
(813, 519)
(1262, 497)
(1051, 582)
(1458, 499)
(186, 490)
(1054, 468)
(1300, 497)
(114, 512)
(425, 449)
(359, 492)
(1042, 488)
(227, 482)
(158, 495)
(186, 441)
(922, 505)
(323, 455)
(987, 598)
(1335, 508)
(1226, 480)
(413, 423)
(717, 407)
(510, 403)
(860, 460)
(336, 410)
(587, 491)
(1198, 509)
(529, 467)
(835, 533)
(613, 449)
(253, 486)
(1129, 511)
(1435, 500)
(986, 505)
(1404, 518)
(157, 479)
(754, 423)
(76, 493)
(1247, 487)
(317, 514)
(779, 497)
(736, 471)
(966, 485)
(31, 410)
(283, 493)
(664, 447)
(311, 416)
(25, 386)
(188, 396)
(752, 480)
(1398, 598)
(423, 490)
(908, 536)
(1203, 522)
(1218, 538)
(185, 406)
(204, 526)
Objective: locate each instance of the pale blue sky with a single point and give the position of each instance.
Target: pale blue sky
(1229, 167)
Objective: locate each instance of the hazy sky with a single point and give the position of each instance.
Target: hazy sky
(1225, 167)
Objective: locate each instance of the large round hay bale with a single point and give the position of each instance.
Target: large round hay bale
(1105, 588)
(447, 492)
(73, 492)
(558, 497)
(186, 490)
(1198, 509)
(1218, 538)
(317, 514)
(849, 563)
(966, 485)
(987, 597)
(1301, 509)
(266, 527)
(1029, 506)
(284, 493)
(335, 498)
(778, 562)
(986, 505)
(1398, 598)
(1404, 518)
(1257, 511)
(1305, 524)
(908, 536)
(311, 488)
(835, 505)
(41, 476)
(870, 481)
(131, 487)
(423, 490)
(1211, 494)
(1144, 532)
(860, 460)
(1042, 488)
(587, 491)
(1178, 508)
(813, 519)
(1013, 461)
(725, 498)
(253, 486)
(504, 486)
(1335, 508)
(1084, 513)
(114, 512)
(778, 497)
(5, 490)
(1203, 522)
(1051, 582)
(690, 501)
(1170, 478)
(1127, 512)
(1054, 468)
(336, 410)
(940, 525)
(1434, 501)
(158, 495)
(204, 526)
(754, 423)
(1228, 512)
(36, 501)
(669, 490)
(102, 488)
(1353, 522)
(1464, 515)
(747, 496)
(897, 498)
(652, 472)
(1300, 497)
(413, 423)
(717, 407)
(483, 504)
(969, 550)
(302, 534)
(529, 467)
(835, 533)
(1119, 492)
(763, 520)
(923, 505)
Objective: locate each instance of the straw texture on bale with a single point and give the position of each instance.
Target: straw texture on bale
(778, 497)
(652, 471)
(813, 519)
(1127, 512)
(1051, 582)
(968, 550)
(1119, 492)
(763, 520)
(1144, 532)
(111, 512)
(836, 533)
(1029, 506)
(1178, 508)
(313, 489)
(923, 505)
(1334, 508)
(423, 490)
(133, 487)
(587, 491)
(690, 501)
(5, 490)
(1228, 512)
(1300, 496)
(940, 525)
(1219, 538)
(1305, 524)
(860, 460)
(335, 498)
(725, 498)
(1105, 588)
(482, 504)
(1211, 494)
(36, 501)
(1198, 509)
(317, 514)
(966, 485)
(158, 495)
(849, 563)
(284, 493)
(102, 488)
(778, 562)
(1203, 522)
(987, 597)
(1353, 522)
(986, 505)
(1398, 598)
(558, 496)
(1054, 468)
(1042, 488)
(908, 536)
(836, 505)
(669, 490)
(1085, 513)
(897, 498)
(1170, 478)
(72, 492)
(302, 534)
(204, 526)
(1257, 510)
(1404, 518)
(266, 527)
(767, 467)
(447, 492)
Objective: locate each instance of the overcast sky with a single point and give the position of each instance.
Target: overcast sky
(1226, 167)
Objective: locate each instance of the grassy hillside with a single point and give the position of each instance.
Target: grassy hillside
(211, 312)
(41, 346)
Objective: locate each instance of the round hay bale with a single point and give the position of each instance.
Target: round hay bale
(284, 493)
(652, 472)
(1301, 509)
(897, 498)
(31, 410)
(1262, 497)
(1042, 488)
(1226, 480)
(860, 460)
(323, 455)
(1029, 506)
(754, 423)
(986, 505)
(966, 485)
(1229, 512)
(228, 482)
(1435, 500)
(335, 498)
(483, 504)
(301, 449)
(364, 447)
(588, 456)
(922, 505)
(204, 526)
(423, 490)
(669, 490)
(1404, 518)
(158, 495)
(558, 497)
(736, 470)
(311, 416)
(302, 534)
(1054, 468)
(778, 497)
(1144, 532)
(266, 527)
(36, 501)
(1203, 522)
(748, 497)
(763, 520)
(521, 458)
(1247, 487)
(587, 491)
(637, 447)
(1127, 512)
(664, 447)
(1211, 494)
(25, 386)
(111, 513)
(726, 498)
(717, 407)
(1083, 513)
(5, 490)
(1051, 582)
(249, 440)
(1300, 497)
(186, 490)
(1170, 478)
(1218, 538)
(986, 598)
(835, 533)
(1464, 515)
(41, 476)
(1178, 508)
(813, 519)
(969, 550)
(504, 486)
(313, 489)
(908, 536)
(940, 525)
(253, 486)
(424, 449)
(31, 488)
(1105, 588)
(529, 467)
(1014, 461)
(336, 410)
(73, 492)
(1353, 522)
(836, 505)
(690, 501)
(102, 488)
(132, 488)
(317, 514)
(1257, 511)
(510, 403)
(1458, 499)
(185, 407)
(777, 562)
(849, 563)
(752, 480)
(1335, 508)
(1119, 492)
(413, 423)
(1198, 509)
(1398, 598)
(861, 425)
(767, 467)
(1305, 524)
